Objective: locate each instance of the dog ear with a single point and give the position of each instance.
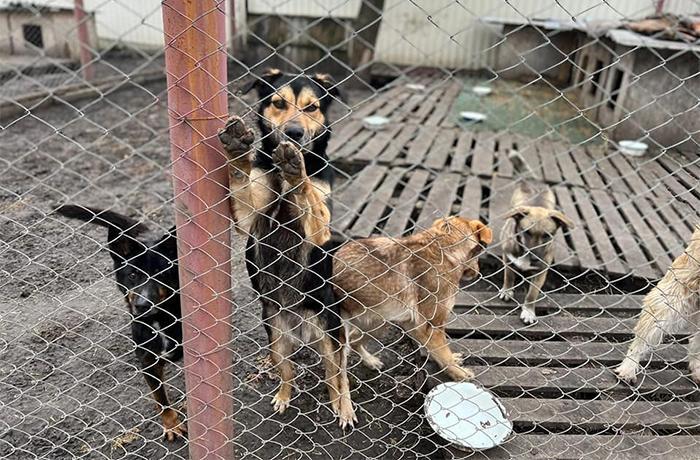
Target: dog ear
(167, 245)
(562, 219)
(481, 231)
(264, 83)
(329, 84)
(122, 246)
(517, 213)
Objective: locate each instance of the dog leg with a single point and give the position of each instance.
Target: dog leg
(657, 319)
(508, 291)
(152, 369)
(434, 340)
(336, 380)
(281, 347)
(528, 315)
(309, 195)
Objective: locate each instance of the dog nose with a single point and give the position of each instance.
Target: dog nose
(295, 133)
(142, 303)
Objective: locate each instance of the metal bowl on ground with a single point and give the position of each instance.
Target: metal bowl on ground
(633, 148)
(468, 416)
(375, 122)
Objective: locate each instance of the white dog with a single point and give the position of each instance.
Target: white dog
(673, 303)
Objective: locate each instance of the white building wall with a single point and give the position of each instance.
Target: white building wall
(137, 23)
(448, 33)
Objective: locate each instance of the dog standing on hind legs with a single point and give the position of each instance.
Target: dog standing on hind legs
(528, 238)
(280, 198)
(673, 303)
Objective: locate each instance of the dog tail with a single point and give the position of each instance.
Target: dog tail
(103, 218)
(520, 168)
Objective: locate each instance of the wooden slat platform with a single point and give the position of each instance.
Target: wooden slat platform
(633, 215)
(556, 382)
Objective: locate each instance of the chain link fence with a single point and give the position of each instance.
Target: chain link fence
(526, 173)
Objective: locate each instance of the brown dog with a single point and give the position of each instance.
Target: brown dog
(667, 308)
(527, 237)
(409, 281)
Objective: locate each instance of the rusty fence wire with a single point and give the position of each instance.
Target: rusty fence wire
(276, 229)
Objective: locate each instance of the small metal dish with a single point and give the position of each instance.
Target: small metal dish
(468, 416)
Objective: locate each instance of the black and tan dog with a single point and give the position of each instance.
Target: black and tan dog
(527, 238)
(146, 272)
(281, 201)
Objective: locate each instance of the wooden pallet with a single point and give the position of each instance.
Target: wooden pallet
(615, 232)
(554, 378)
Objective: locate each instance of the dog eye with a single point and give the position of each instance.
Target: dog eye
(132, 276)
(310, 108)
(279, 103)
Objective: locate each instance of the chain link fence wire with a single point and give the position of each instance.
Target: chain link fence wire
(569, 129)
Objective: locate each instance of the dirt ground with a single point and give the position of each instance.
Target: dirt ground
(68, 382)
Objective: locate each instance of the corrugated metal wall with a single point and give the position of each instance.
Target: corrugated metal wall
(448, 33)
(306, 8)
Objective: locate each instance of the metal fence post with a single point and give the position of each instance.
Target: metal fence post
(195, 56)
(83, 40)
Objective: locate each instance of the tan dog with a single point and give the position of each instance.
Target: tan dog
(527, 236)
(667, 308)
(411, 282)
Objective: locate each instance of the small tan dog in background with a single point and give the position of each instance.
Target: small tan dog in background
(411, 282)
(668, 307)
(527, 237)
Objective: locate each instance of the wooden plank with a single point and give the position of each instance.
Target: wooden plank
(348, 151)
(568, 168)
(582, 247)
(563, 380)
(646, 235)
(499, 205)
(635, 258)
(573, 353)
(392, 104)
(439, 201)
(352, 197)
(440, 151)
(546, 153)
(398, 145)
(532, 162)
(503, 164)
(642, 189)
(587, 167)
(462, 152)
(561, 325)
(593, 303)
(471, 198)
(368, 220)
(564, 413)
(403, 113)
(589, 447)
(401, 212)
(339, 139)
(375, 146)
(378, 100)
(420, 145)
(442, 108)
(482, 157)
(426, 108)
(599, 235)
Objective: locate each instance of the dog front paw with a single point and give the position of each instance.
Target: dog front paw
(280, 402)
(346, 414)
(173, 428)
(373, 362)
(528, 316)
(627, 372)
(506, 294)
(459, 373)
(290, 161)
(237, 139)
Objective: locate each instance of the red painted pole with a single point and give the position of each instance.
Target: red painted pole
(195, 60)
(83, 39)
